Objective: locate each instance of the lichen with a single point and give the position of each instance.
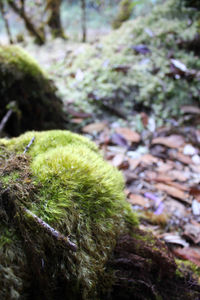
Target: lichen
(77, 193)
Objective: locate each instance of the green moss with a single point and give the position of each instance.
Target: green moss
(16, 57)
(26, 87)
(147, 81)
(78, 194)
(10, 178)
(124, 13)
(185, 266)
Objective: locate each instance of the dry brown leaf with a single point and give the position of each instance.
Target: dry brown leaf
(77, 120)
(188, 253)
(162, 177)
(148, 159)
(136, 199)
(181, 157)
(133, 163)
(94, 127)
(173, 141)
(174, 207)
(150, 175)
(178, 175)
(118, 160)
(179, 186)
(190, 109)
(192, 232)
(128, 134)
(195, 168)
(172, 191)
(164, 167)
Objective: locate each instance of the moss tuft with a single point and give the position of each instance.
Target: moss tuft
(26, 89)
(79, 195)
(15, 57)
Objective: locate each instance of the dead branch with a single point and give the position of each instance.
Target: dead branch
(29, 25)
(51, 231)
(28, 146)
(5, 119)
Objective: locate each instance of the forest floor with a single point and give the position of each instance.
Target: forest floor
(161, 165)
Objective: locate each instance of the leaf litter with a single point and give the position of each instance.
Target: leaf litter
(162, 178)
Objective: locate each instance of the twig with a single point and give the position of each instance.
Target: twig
(5, 119)
(3, 13)
(51, 231)
(28, 146)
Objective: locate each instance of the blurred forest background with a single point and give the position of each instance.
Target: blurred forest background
(127, 75)
(99, 16)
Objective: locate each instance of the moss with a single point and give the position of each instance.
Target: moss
(77, 193)
(23, 82)
(184, 266)
(16, 57)
(10, 178)
(125, 11)
(115, 73)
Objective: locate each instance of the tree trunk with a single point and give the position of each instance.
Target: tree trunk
(29, 25)
(84, 33)
(54, 21)
(3, 13)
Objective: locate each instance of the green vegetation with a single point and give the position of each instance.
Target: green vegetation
(124, 13)
(26, 89)
(15, 57)
(77, 193)
(134, 65)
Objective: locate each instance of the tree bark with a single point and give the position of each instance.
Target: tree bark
(84, 30)
(54, 20)
(3, 13)
(29, 25)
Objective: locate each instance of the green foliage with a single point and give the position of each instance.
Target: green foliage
(165, 32)
(79, 194)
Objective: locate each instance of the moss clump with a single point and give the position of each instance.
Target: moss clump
(124, 13)
(67, 184)
(23, 81)
(117, 73)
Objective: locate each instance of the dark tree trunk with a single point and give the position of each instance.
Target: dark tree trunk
(54, 20)
(29, 25)
(84, 31)
(3, 13)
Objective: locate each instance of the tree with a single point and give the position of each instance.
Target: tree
(30, 26)
(84, 33)
(54, 20)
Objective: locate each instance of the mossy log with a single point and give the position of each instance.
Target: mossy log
(24, 83)
(66, 231)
